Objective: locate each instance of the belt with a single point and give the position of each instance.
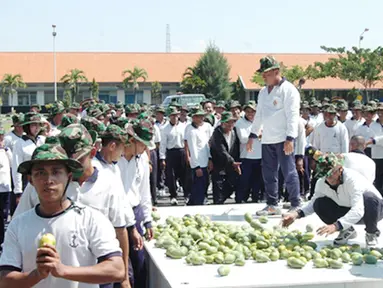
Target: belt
(175, 149)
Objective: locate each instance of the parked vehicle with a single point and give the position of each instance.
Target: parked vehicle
(188, 100)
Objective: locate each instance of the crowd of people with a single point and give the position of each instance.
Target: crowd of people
(119, 160)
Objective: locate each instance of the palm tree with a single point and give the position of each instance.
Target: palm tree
(10, 84)
(132, 78)
(73, 80)
(94, 89)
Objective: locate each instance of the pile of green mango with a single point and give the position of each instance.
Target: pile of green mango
(200, 241)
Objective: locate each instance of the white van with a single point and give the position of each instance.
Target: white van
(188, 100)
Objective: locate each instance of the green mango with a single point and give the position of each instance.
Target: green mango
(308, 236)
(309, 228)
(262, 245)
(295, 254)
(307, 255)
(261, 257)
(320, 263)
(256, 225)
(211, 250)
(274, 256)
(263, 219)
(346, 258)
(174, 252)
(203, 246)
(376, 253)
(248, 217)
(357, 259)
(335, 264)
(370, 259)
(218, 258)
(285, 254)
(209, 259)
(312, 245)
(223, 270)
(336, 253)
(240, 261)
(295, 263)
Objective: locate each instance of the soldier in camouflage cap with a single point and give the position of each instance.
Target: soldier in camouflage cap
(35, 108)
(131, 111)
(96, 113)
(17, 131)
(49, 153)
(92, 124)
(219, 108)
(75, 109)
(268, 63)
(235, 109)
(122, 122)
(67, 120)
(160, 116)
(142, 131)
(114, 132)
(184, 114)
(56, 112)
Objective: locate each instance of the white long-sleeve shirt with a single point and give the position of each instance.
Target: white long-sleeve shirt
(300, 141)
(198, 144)
(135, 175)
(156, 137)
(5, 169)
(331, 139)
(10, 139)
(98, 192)
(348, 194)
(377, 148)
(352, 125)
(278, 112)
(22, 151)
(172, 136)
(316, 120)
(365, 131)
(243, 127)
(360, 163)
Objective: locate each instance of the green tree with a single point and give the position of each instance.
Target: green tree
(156, 92)
(67, 99)
(238, 92)
(10, 84)
(94, 89)
(213, 68)
(73, 80)
(364, 66)
(192, 83)
(132, 77)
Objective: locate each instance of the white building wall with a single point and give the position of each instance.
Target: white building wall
(121, 95)
(147, 97)
(14, 99)
(40, 97)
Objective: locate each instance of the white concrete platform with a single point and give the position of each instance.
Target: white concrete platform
(166, 273)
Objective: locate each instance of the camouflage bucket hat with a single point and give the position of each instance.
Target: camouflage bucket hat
(143, 115)
(268, 63)
(172, 110)
(92, 124)
(342, 106)
(47, 153)
(142, 130)
(209, 118)
(220, 104)
(227, 116)
(17, 119)
(87, 103)
(357, 105)
(197, 111)
(77, 141)
(131, 109)
(372, 104)
(326, 163)
(32, 117)
(119, 106)
(67, 120)
(75, 105)
(55, 108)
(368, 108)
(160, 109)
(380, 106)
(251, 105)
(95, 113)
(185, 108)
(330, 109)
(235, 104)
(122, 121)
(114, 132)
(305, 106)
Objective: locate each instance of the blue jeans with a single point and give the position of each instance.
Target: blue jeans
(274, 157)
(198, 187)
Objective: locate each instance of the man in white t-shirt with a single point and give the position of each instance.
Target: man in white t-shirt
(85, 253)
(357, 119)
(251, 177)
(15, 134)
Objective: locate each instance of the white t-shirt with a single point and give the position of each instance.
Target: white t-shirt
(83, 235)
(10, 139)
(5, 169)
(156, 137)
(331, 139)
(243, 127)
(352, 125)
(198, 144)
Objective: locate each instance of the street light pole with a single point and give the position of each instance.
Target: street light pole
(361, 37)
(54, 60)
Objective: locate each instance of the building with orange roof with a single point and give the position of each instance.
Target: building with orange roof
(36, 69)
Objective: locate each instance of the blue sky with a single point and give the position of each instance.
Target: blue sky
(279, 26)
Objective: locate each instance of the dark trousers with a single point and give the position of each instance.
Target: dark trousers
(367, 151)
(160, 174)
(153, 176)
(137, 257)
(274, 157)
(224, 184)
(329, 212)
(379, 175)
(175, 169)
(4, 198)
(188, 181)
(250, 180)
(198, 187)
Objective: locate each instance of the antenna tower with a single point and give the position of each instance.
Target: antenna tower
(168, 43)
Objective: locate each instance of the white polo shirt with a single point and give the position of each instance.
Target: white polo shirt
(172, 136)
(352, 125)
(156, 137)
(377, 148)
(83, 237)
(10, 139)
(98, 192)
(198, 144)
